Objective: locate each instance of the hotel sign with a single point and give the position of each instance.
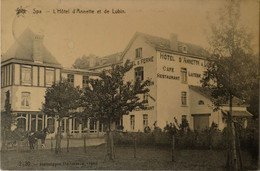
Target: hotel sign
(166, 56)
(186, 60)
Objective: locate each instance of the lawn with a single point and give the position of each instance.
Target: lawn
(147, 158)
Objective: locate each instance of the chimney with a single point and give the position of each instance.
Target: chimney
(174, 42)
(38, 48)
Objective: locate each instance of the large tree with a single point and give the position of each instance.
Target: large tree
(231, 70)
(109, 98)
(7, 119)
(62, 100)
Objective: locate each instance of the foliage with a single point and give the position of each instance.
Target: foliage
(231, 68)
(209, 138)
(61, 100)
(84, 61)
(109, 98)
(249, 139)
(7, 117)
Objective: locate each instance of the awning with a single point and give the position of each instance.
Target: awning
(238, 113)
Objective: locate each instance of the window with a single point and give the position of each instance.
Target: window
(138, 53)
(85, 81)
(49, 76)
(25, 99)
(183, 117)
(2, 76)
(26, 75)
(21, 123)
(92, 125)
(205, 74)
(184, 48)
(145, 98)
(139, 73)
(40, 123)
(201, 102)
(33, 123)
(132, 122)
(184, 98)
(50, 124)
(184, 75)
(145, 120)
(71, 79)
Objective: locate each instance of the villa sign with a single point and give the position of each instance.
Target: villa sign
(143, 61)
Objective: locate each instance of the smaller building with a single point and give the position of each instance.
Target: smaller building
(203, 110)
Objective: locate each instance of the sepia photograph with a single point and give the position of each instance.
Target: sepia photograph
(130, 85)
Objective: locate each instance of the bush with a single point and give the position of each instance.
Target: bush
(249, 139)
(210, 138)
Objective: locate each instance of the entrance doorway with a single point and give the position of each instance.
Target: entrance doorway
(200, 121)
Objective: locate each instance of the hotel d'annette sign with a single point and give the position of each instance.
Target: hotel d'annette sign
(187, 60)
(170, 57)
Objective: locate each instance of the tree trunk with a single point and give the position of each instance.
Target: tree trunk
(110, 143)
(232, 156)
(238, 148)
(4, 140)
(58, 139)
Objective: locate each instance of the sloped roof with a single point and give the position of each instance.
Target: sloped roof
(22, 49)
(113, 58)
(79, 71)
(160, 43)
(109, 60)
(205, 91)
(239, 113)
(202, 90)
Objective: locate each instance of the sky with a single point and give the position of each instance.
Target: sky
(68, 36)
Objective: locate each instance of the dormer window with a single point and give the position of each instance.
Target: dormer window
(138, 53)
(184, 49)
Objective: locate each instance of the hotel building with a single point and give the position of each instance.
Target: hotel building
(174, 68)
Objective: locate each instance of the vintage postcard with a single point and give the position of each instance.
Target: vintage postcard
(129, 85)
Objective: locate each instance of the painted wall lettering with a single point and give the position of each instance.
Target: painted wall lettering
(143, 61)
(169, 69)
(194, 75)
(145, 108)
(171, 77)
(166, 56)
(189, 61)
